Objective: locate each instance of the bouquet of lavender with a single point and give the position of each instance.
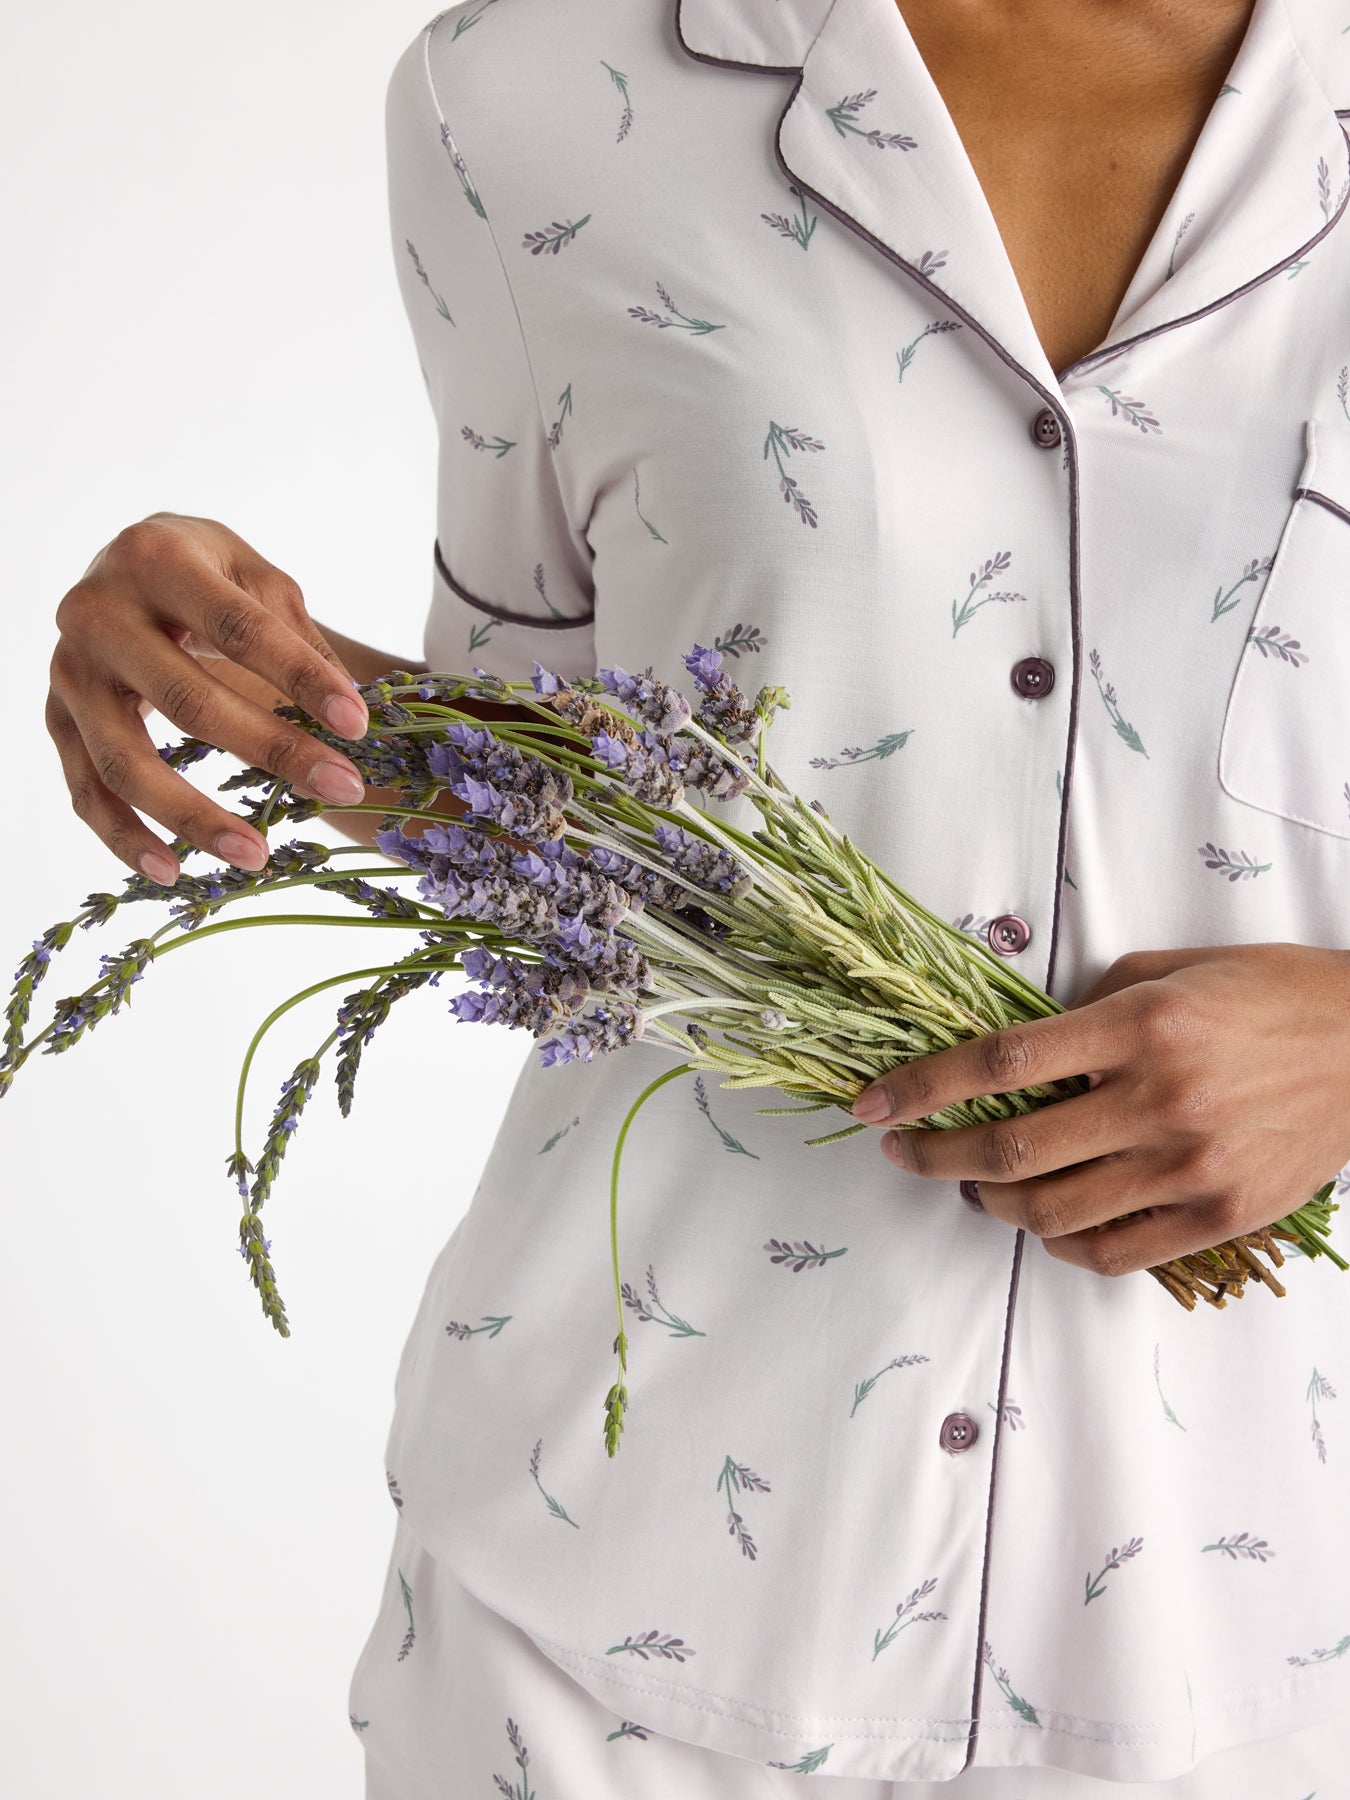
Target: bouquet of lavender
(779, 958)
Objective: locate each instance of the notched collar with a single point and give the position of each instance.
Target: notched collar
(866, 134)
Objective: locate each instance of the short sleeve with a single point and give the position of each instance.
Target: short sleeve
(510, 577)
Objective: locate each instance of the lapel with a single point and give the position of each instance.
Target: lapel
(866, 134)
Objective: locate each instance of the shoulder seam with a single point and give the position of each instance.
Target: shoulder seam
(448, 139)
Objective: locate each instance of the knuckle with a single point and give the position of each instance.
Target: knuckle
(1233, 1211)
(113, 766)
(143, 543)
(1104, 1256)
(915, 1091)
(285, 591)
(184, 701)
(1006, 1150)
(1004, 1059)
(1043, 1216)
(83, 797)
(288, 753)
(1168, 1018)
(917, 1156)
(1188, 1105)
(234, 626)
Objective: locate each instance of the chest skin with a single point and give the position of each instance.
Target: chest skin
(1078, 117)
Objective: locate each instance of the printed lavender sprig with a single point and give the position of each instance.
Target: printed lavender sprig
(591, 892)
(1094, 1585)
(963, 611)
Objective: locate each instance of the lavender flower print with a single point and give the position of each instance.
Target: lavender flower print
(1181, 232)
(394, 1494)
(975, 925)
(1167, 1411)
(863, 1388)
(553, 237)
(1012, 1414)
(1108, 694)
(1093, 1584)
(1276, 645)
(559, 1511)
(842, 116)
(410, 1635)
(787, 437)
(621, 82)
(638, 509)
(1341, 381)
(906, 356)
(479, 634)
(555, 429)
(1133, 410)
(681, 321)
(733, 1478)
(1243, 1546)
(1225, 602)
(512, 1790)
(423, 277)
(899, 1623)
(799, 230)
(498, 444)
(1320, 1656)
(931, 261)
(1020, 1706)
(678, 1327)
(1319, 1388)
(491, 1325)
(808, 1764)
(800, 1254)
(627, 1729)
(357, 1725)
(747, 638)
(539, 585)
(885, 746)
(964, 610)
(556, 1135)
(457, 162)
(732, 1144)
(465, 20)
(652, 1643)
(1237, 867)
(1324, 187)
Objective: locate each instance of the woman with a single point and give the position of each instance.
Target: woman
(999, 415)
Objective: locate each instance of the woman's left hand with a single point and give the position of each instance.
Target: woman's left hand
(1220, 1102)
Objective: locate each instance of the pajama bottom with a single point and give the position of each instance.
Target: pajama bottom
(452, 1702)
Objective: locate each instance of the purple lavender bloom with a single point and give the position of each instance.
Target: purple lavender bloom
(706, 865)
(705, 666)
(545, 681)
(661, 705)
(476, 962)
(611, 751)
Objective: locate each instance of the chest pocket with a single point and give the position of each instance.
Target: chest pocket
(1285, 743)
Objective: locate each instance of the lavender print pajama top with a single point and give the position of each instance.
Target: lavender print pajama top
(724, 348)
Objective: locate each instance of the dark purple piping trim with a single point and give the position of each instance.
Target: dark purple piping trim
(1321, 499)
(1109, 350)
(1071, 447)
(499, 612)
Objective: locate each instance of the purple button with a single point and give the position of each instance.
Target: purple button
(1045, 429)
(1033, 676)
(970, 1190)
(959, 1431)
(1008, 934)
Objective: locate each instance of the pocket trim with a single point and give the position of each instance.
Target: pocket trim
(501, 612)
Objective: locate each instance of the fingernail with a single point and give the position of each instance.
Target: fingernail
(346, 716)
(333, 783)
(158, 867)
(872, 1104)
(243, 851)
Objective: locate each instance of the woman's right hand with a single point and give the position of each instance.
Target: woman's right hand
(138, 631)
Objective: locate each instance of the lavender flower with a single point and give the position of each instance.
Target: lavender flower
(725, 709)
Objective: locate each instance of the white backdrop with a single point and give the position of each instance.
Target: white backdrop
(201, 315)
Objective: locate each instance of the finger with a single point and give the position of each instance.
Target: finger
(189, 695)
(1025, 1055)
(273, 636)
(124, 764)
(1082, 1196)
(1052, 1137)
(1160, 1236)
(109, 818)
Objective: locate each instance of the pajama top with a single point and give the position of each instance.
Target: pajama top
(725, 349)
